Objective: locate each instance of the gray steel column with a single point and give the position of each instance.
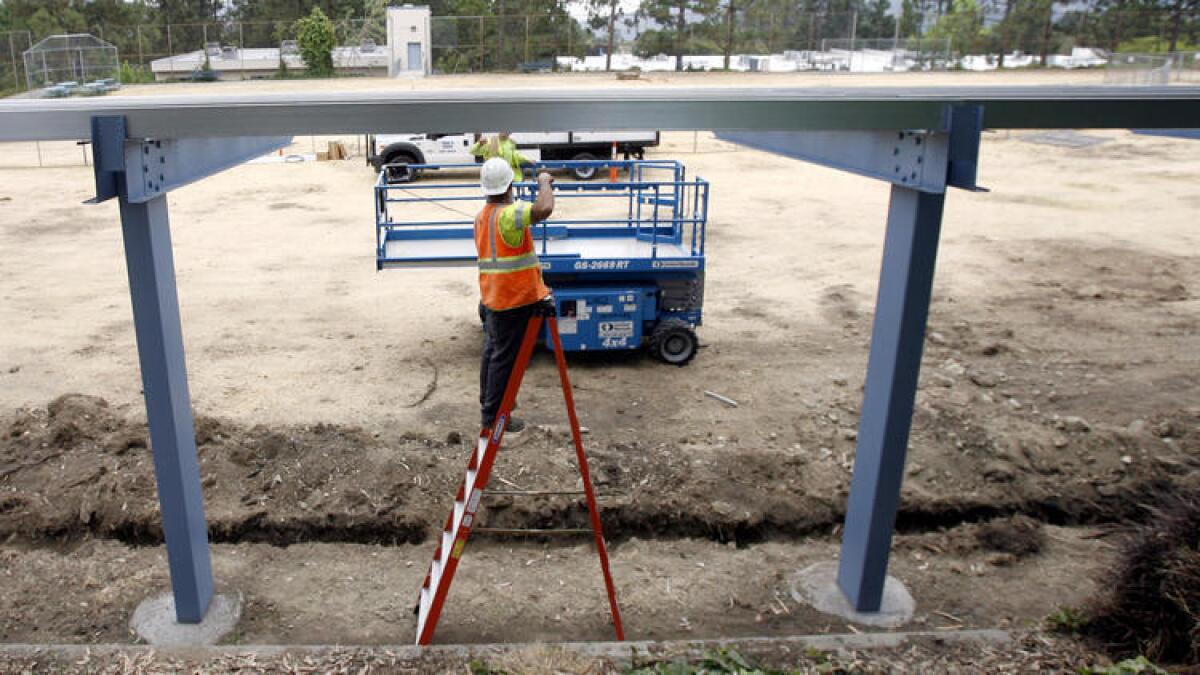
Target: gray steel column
(901, 309)
(151, 267)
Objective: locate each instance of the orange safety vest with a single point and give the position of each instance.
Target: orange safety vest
(509, 276)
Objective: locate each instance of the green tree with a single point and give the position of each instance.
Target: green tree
(603, 15)
(910, 19)
(876, 21)
(315, 37)
(680, 28)
(963, 24)
(375, 24)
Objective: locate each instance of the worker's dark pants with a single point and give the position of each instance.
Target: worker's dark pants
(504, 332)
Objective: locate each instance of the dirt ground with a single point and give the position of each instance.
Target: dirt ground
(1058, 397)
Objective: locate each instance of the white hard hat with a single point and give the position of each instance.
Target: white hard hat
(495, 176)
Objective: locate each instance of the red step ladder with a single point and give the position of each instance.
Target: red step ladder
(458, 524)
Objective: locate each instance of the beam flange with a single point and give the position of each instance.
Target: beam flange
(566, 108)
(923, 160)
(897, 157)
(155, 167)
(141, 169)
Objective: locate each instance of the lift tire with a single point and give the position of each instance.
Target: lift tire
(674, 342)
(400, 174)
(584, 172)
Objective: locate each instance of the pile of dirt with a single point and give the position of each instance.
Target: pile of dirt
(1152, 602)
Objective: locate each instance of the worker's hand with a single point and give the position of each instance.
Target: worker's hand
(545, 179)
(545, 307)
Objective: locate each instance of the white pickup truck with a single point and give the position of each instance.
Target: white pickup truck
(399, 149)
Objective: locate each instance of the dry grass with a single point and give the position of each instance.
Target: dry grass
(1152, 605)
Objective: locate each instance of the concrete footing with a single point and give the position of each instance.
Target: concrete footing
(154, 621)
(816, 586)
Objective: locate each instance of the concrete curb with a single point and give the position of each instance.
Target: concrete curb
(618, 652)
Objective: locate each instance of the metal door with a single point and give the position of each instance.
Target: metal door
(414, 56)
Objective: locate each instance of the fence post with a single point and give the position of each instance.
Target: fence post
(242, 51)
(204, 33)
(12, 52)
(853, 28)
(480, 43)
(141, 56)
(170, 48)
(526, 38)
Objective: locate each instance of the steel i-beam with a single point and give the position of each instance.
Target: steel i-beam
(139, 173)
(897, 337)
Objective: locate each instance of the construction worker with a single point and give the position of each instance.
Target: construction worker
(510, 278)
(502, 146)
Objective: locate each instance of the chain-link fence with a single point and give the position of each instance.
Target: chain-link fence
(79, 58)
(743, 35)
(464, 44)
(886, 54)
(12, 67)
(1153, 69)
(240, 49)
(1185, 66)
(1138, 69)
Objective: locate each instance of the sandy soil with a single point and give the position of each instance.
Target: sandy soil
(655, 79)
(1059, 386)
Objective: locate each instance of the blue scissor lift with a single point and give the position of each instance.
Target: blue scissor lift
(624, 258)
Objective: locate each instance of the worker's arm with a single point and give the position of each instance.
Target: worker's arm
(518, 217)
(477, 149)
(543, 206)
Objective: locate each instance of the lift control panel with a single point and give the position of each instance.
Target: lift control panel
(596, 319)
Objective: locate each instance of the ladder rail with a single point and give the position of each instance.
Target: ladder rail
(440, 587)
(593, 509)
(435, 589)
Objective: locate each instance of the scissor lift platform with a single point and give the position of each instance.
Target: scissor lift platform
(624, 258)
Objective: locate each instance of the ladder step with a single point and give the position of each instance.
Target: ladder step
(441, 573)
(459, 509)
(447, 541)
(532, 493)
(529, 532)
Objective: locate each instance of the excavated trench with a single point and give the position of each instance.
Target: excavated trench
(625, 523)
(75, 470)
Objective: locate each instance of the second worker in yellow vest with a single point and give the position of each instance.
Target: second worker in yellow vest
(502, 146)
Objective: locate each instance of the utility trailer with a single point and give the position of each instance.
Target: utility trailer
(403, 151)
(625, 258)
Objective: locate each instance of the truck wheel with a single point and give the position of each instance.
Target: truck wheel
(584, 172)
(674, 342)
(400, 173)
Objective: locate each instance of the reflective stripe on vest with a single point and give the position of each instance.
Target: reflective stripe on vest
(512, 263)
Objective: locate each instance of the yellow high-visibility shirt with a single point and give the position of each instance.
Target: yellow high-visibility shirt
(506, 150)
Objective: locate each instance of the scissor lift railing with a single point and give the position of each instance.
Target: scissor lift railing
(651, 220)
